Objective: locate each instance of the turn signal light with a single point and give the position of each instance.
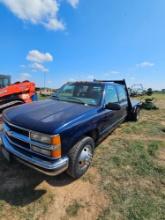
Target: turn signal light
(56, 153)
(56, 142)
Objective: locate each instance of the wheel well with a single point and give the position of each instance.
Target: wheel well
(133, 114)
(93, 134)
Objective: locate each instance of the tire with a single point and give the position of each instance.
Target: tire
(80, 157)
(136, 115)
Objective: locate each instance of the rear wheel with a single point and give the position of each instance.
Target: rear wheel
(80, 157)
(136, 115)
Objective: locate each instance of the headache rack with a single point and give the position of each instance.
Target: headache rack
(121, 82)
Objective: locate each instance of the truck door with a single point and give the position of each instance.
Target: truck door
(109, 117)
(123, 101)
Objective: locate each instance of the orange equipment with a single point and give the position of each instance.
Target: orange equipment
(17, 93)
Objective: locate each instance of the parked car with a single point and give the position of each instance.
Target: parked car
(61, 133)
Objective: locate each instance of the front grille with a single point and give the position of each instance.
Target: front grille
(14, 138)
(17, 129)
(18, 142)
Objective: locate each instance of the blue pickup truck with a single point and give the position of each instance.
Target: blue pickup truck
(60, 134)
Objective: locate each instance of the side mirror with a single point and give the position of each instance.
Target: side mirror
(113, 106)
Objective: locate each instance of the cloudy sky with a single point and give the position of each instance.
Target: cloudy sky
(83, 39)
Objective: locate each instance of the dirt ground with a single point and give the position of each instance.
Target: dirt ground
(23, 190)
(27, 194)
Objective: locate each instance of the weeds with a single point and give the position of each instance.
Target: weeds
(153, 148)
(72, 209)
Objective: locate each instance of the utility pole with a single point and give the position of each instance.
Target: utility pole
(44, 80)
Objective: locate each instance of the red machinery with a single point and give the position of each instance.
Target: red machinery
(14, 94)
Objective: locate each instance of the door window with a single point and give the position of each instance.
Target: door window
(122, 93)
(111, 95)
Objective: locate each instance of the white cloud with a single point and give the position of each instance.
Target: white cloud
(112, 72)
(39, 67)
(43, 12)
(72, 79)
(50, 82)
(132, 78)
(24, 76)
(145, 64)
(73, 3)
(54, 24)
(91, 77)
(37, 56)
(22, 66)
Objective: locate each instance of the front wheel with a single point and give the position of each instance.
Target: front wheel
(80, 157)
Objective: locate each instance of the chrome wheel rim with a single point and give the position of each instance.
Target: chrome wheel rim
(85, 157)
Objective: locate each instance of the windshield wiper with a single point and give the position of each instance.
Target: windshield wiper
(77, 99)
(55, 97)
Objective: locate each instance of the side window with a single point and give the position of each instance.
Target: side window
(121, 93)
(111, 95)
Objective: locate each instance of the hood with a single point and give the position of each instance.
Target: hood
(46, 116)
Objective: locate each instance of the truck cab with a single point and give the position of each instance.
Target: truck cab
(60, 134)
(5, 80)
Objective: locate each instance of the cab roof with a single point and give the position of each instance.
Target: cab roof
(121, 82)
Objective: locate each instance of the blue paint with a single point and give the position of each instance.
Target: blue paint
(72, 121)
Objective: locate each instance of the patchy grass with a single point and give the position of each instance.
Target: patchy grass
(133, 174)
(132, 180)
(20, 194)
(31, 211)
(139, 206)
(145, 127)
(153, 148)
(73, 208)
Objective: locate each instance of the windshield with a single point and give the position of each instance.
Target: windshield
(82, 93)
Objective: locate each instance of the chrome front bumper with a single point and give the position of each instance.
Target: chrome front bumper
(51, 168)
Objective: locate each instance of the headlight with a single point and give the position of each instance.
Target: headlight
(41, 150)
(54, 142)
(46, 139)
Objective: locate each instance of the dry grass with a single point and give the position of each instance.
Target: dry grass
(126, 181)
